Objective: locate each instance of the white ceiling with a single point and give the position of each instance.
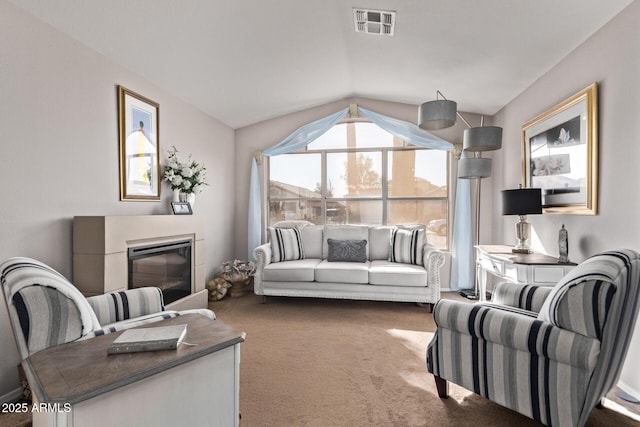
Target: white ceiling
(244, 61)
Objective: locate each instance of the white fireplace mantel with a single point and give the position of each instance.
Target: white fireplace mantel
(100, 245)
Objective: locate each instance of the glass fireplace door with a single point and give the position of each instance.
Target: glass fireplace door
(166, 266)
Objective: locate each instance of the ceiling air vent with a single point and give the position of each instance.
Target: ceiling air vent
(374, 21)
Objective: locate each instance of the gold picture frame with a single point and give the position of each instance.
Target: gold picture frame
(138, 123)
(560, 154)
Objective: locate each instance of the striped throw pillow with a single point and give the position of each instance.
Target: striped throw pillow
(117, 306)
(406, 246)
(286, 244)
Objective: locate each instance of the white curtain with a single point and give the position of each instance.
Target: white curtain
(294, 142)
(462, 262)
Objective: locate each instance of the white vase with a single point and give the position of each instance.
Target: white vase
(178, 196)
(191, 198)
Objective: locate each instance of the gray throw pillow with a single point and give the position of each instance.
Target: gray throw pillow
(347, 250)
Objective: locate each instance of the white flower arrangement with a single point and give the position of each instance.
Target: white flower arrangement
(187, 177)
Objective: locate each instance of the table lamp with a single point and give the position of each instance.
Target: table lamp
(522, 202)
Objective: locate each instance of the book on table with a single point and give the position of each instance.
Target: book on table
(148, 339)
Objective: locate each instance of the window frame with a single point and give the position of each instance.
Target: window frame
(384, 197)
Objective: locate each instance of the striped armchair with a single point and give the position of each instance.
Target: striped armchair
(45, 309)
(551, 354)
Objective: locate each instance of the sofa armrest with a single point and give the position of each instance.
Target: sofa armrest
(433, 260)
(262, 254)
(518, 331)
(521, 295)
(117, 306)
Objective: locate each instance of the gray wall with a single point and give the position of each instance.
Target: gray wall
(610, 57)
(59, 139)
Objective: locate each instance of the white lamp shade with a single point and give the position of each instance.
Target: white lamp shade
(484, 138)
(438, 114)
(475, 167)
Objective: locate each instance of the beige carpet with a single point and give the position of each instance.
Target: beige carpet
(311, 362)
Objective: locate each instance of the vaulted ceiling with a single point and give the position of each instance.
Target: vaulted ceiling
(244, 61)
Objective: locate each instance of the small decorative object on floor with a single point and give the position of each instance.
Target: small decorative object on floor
(217, 288)
(242, 287)
(563, 246)
(239, 274)
(186, 179)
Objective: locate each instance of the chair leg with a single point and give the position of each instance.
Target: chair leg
(442, 386)
(24, 384)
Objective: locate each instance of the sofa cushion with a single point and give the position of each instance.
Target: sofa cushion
(342, 272)
(406, 246)
(412, 227)
(396, 274)
(347, 250)
(286, 244)
(343, 232)
(292, 223)
(379, 238)
(312, 241)
(291, 271)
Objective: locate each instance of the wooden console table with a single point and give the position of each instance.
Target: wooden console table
(79, 384)
(534, 269)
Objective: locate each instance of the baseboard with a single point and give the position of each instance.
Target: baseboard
(629, 390)
(12, 396)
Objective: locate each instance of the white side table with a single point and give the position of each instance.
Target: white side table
(79, 384)
(533, 269)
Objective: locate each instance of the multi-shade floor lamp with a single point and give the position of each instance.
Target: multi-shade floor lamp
(442, 113)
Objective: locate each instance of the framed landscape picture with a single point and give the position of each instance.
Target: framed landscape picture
(560, 154)
(139, 146)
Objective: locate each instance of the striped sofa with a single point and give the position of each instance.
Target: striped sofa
(548, 353)
(45, 309)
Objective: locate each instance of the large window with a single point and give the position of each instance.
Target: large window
(357, 173)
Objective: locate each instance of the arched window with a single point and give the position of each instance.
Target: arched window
(358, 173)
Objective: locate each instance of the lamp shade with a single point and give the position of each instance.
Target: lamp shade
(438, 114)
(522, 201)
(475, 167)
(484, 138)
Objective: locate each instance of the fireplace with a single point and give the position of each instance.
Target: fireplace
(101, 262)
(166, 266)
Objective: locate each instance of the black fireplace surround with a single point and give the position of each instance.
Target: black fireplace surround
(166, 266)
